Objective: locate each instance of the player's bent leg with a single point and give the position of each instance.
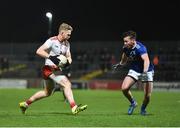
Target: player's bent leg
(37, 96)
(48, 87)
(148, 87)
(126, 85)
(63, 81)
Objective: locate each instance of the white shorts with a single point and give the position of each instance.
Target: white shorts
(54, 81)
(136, 75)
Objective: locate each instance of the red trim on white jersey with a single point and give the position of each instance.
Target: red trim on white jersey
(54, 38)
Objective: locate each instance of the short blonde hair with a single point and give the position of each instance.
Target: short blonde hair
(65, 26)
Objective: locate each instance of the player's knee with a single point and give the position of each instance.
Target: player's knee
(67, 85)
(124, 88)
(65, 82)
(47, 93)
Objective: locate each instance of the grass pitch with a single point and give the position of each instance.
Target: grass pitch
(105, 109)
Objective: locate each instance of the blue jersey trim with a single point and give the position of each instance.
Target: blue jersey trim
(134, 55)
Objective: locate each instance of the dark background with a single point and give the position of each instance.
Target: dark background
(92, 20)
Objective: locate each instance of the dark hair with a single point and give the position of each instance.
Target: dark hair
(130, 33)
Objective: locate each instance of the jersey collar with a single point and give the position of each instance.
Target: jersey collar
(134, 45)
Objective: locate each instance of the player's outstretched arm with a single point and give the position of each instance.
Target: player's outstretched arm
(121, 63)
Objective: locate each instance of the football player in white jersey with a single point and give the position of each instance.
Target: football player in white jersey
(52, 48)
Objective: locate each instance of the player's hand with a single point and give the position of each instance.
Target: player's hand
(143, 76)
(67, 64)
(66, 71)
(54, 59)
(116, 66)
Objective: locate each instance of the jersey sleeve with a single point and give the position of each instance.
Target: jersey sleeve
(48, 43)
(142, 50)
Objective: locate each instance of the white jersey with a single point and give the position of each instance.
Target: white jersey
(56, 48)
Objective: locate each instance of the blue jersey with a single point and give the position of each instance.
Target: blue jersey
(134, 55)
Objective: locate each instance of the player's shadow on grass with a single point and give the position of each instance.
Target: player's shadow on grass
(138, 114)
(48, 113)
(70, 114)
(56, 113)
(85, 114)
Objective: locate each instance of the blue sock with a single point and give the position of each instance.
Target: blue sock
(133, 101)
(143, 107)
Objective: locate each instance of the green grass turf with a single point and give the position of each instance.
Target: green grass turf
(105, 108)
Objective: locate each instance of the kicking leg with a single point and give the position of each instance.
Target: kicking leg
(63, 81)
(59, 89)
(49, 84)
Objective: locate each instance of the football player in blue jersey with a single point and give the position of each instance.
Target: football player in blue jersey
(135, 53)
